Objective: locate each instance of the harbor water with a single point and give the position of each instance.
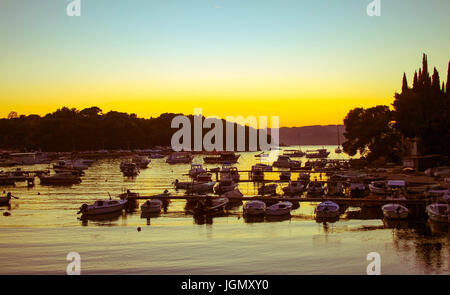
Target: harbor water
(44, 227)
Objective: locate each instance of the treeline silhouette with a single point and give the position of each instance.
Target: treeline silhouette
(69, 129)
(420, 113)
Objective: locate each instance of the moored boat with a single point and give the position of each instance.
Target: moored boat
(285, 162)
(60, 178)
(152, 206)
(210, 206)
(281, 208)
(315, 188)
(269, 189)
(294, 187)
(439, 212)
(179, 158)
(222, 157)
(102, 207)
(254, 208)
(395, 211)
(327, 209)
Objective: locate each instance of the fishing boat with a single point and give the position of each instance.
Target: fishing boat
(439, 212)
(156, 156)
(195, 170)
(285, 175)
(285, 162)
(294, 188)
(254, 208)
(60, 178)
(226, 184)
(102, 207)
(152, 206)
(281, 208)
(315, 188)
(269, 189)
(200, 187)
(222, 157)
(179, 158)
(327, 209)
(395, 211)
(210, 206)
(317, 154)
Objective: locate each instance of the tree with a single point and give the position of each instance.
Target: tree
(370, 132)
(13, 115)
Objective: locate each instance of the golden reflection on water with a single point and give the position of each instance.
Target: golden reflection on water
(43, 228)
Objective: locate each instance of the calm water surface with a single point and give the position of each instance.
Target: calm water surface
(43, 228)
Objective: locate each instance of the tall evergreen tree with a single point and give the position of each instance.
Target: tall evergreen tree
(448, 78)
(426, 81)
(405, 84)
(415, 81)
(436, 83)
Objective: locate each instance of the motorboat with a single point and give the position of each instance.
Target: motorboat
(204, 177)
(317, 154)
(60, 178)
(231, 171)
(285, 175)
(195, 170)
(269, 189)
(281, 208)
(262, 166)
(395, 211)
(141, 161)
(179, 158)
(294, 153)
(335, 188)
(222, 157)
(254, 208)
(327, 209)
(315, 188)
(200, 187)
(156, 156)
(233, 196)
(357, 189)
(152, 206)
(439, 212)
(294, 188)
(378, 187)
(226, 184)
(285, 162)
(210, 206)
(102, 207)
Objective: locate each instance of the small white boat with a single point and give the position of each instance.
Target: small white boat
(254, 208)
(152, 206)
(439, 212)
(269, 189)
(294, 188)
(327, 209)
(278, 209)
(102, 207)
(395, 211)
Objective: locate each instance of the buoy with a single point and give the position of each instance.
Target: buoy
(139, 228)
(39, 193)
(6, 214)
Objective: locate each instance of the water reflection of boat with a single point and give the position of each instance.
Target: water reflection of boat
(395, 223)
(438, 228)
(103, 217)
(278, 218)
(326, 220)
(253, 218)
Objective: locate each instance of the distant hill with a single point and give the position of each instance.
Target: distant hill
(311, 135)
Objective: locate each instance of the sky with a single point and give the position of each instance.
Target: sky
(308, 62)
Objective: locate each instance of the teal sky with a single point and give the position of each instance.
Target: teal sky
(148, 50)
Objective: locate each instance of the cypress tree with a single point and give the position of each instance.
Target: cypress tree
(443, 87)
(448, 78)
(425, 75)
(436, 83)
(415, 81)
(404, 84)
